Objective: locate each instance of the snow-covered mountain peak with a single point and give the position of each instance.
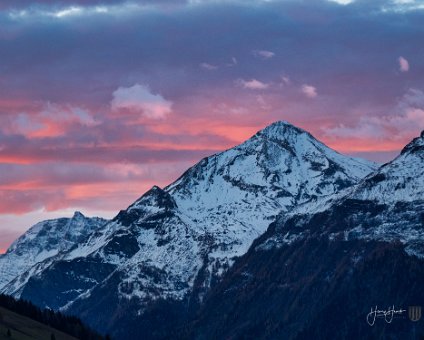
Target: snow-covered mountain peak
(56, 232)
(401, 180)
(281, 134)
(78, 215)
(416, 145)
(44, 240)
(280, 156)
(281, 130)
(155, 201)
(153, 198)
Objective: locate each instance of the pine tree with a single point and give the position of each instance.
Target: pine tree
(52, 337)
(9, 333)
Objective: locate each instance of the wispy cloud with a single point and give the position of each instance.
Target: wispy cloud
(403, 6)
(285, 80)
(263, 54)
(233, 62)
(49, 120)
(343, 2)
(252, 84)
(71, 12)
(208, 66)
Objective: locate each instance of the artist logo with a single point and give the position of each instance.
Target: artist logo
(414, 313)
(391, 313)
(387, 314)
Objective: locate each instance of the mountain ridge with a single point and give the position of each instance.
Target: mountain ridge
(316, 274)
(175, 243)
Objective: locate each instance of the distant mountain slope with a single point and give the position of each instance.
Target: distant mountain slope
(316, 275)
(45, 240)
(172, 244)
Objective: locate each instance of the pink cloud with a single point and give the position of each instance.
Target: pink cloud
(97, 187)
(139, 98)
(309, 91)
(403, 64)
(395, 129)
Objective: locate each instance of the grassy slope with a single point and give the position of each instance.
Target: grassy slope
(23, 328)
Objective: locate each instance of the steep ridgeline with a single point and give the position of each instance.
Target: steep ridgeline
(43, 241)
(317, 275)
(180, 239)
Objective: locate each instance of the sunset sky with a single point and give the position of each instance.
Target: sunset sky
(99, 100)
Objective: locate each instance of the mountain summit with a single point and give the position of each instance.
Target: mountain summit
(172, 244)
(416, 145)
(281, 130)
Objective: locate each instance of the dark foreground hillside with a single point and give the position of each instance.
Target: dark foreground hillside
(23, 321)
(23, 328)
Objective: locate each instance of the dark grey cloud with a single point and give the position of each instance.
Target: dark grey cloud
(348, 53)
(315, 41)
